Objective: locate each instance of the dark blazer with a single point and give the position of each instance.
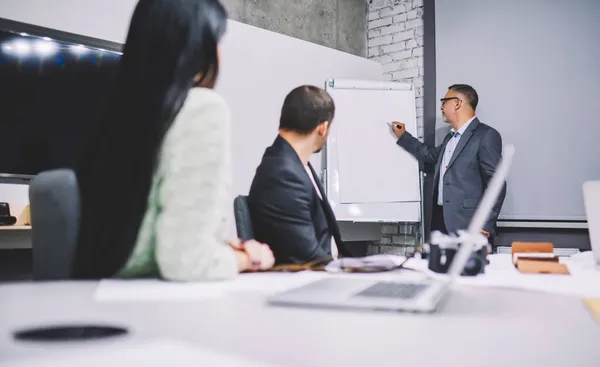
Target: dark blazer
(287, 214)
(469, 171)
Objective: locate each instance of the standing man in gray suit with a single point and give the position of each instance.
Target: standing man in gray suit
(464, 163)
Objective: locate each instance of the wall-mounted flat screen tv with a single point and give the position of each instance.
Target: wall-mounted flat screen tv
(53, 88)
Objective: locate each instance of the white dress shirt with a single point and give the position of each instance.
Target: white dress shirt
(450, 147)
(334, 249)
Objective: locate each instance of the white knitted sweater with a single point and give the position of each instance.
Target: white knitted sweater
(184, 230)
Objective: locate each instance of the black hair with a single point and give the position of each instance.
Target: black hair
(170, 43)
(469, 92)
(304, 108)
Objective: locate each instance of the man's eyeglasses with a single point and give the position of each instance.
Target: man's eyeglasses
(444, 100)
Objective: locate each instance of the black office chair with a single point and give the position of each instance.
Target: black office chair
(243, 220)
(55, 204)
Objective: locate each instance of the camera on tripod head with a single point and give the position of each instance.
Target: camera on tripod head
(442, 249)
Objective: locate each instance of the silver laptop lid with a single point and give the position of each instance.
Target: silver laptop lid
(591, 198)
(483, 211)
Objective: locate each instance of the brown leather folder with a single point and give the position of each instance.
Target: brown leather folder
(537, 258)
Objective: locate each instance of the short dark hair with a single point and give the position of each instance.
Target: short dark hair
(306, 107)
(469, 92)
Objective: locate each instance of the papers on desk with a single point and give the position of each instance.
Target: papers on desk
(154, 290)
(115, 290)
(268, 283)
(157, 353)
(382, 262)
(583, 281)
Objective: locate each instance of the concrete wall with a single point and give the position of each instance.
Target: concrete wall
(338, 24)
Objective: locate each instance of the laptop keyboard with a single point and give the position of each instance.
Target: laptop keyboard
(393, 290)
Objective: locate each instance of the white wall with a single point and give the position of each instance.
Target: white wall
(250, 57)
(103, 19)
(534, 64)
(16, 196)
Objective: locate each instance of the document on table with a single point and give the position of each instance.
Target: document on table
(149, 290)
(115, 290)
(381, 261)
(584, 280)
(272, 282)
(155, 353)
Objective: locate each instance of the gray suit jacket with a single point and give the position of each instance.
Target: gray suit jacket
(469, 171)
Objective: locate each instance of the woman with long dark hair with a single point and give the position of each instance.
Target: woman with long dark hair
(155, 184)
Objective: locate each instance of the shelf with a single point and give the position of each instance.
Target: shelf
(15, 228)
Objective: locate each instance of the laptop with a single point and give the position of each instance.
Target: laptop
(591, 197)
(418, 295)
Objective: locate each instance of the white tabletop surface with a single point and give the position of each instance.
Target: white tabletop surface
(477, 326)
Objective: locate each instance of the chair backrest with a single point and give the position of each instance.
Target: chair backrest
(55, 204)
(243, 220)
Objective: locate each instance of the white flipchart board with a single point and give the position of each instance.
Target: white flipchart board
(368, 177)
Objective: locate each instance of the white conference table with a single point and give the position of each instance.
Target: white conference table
(476, 326)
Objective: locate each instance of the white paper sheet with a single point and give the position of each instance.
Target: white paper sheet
(269, 283)
(115, 290)
(158, 353)
(382, 260)
(583, 281)
(367, 148)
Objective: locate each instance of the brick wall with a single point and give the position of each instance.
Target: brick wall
(395, 39)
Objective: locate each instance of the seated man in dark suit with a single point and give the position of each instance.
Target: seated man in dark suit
(287, 203)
